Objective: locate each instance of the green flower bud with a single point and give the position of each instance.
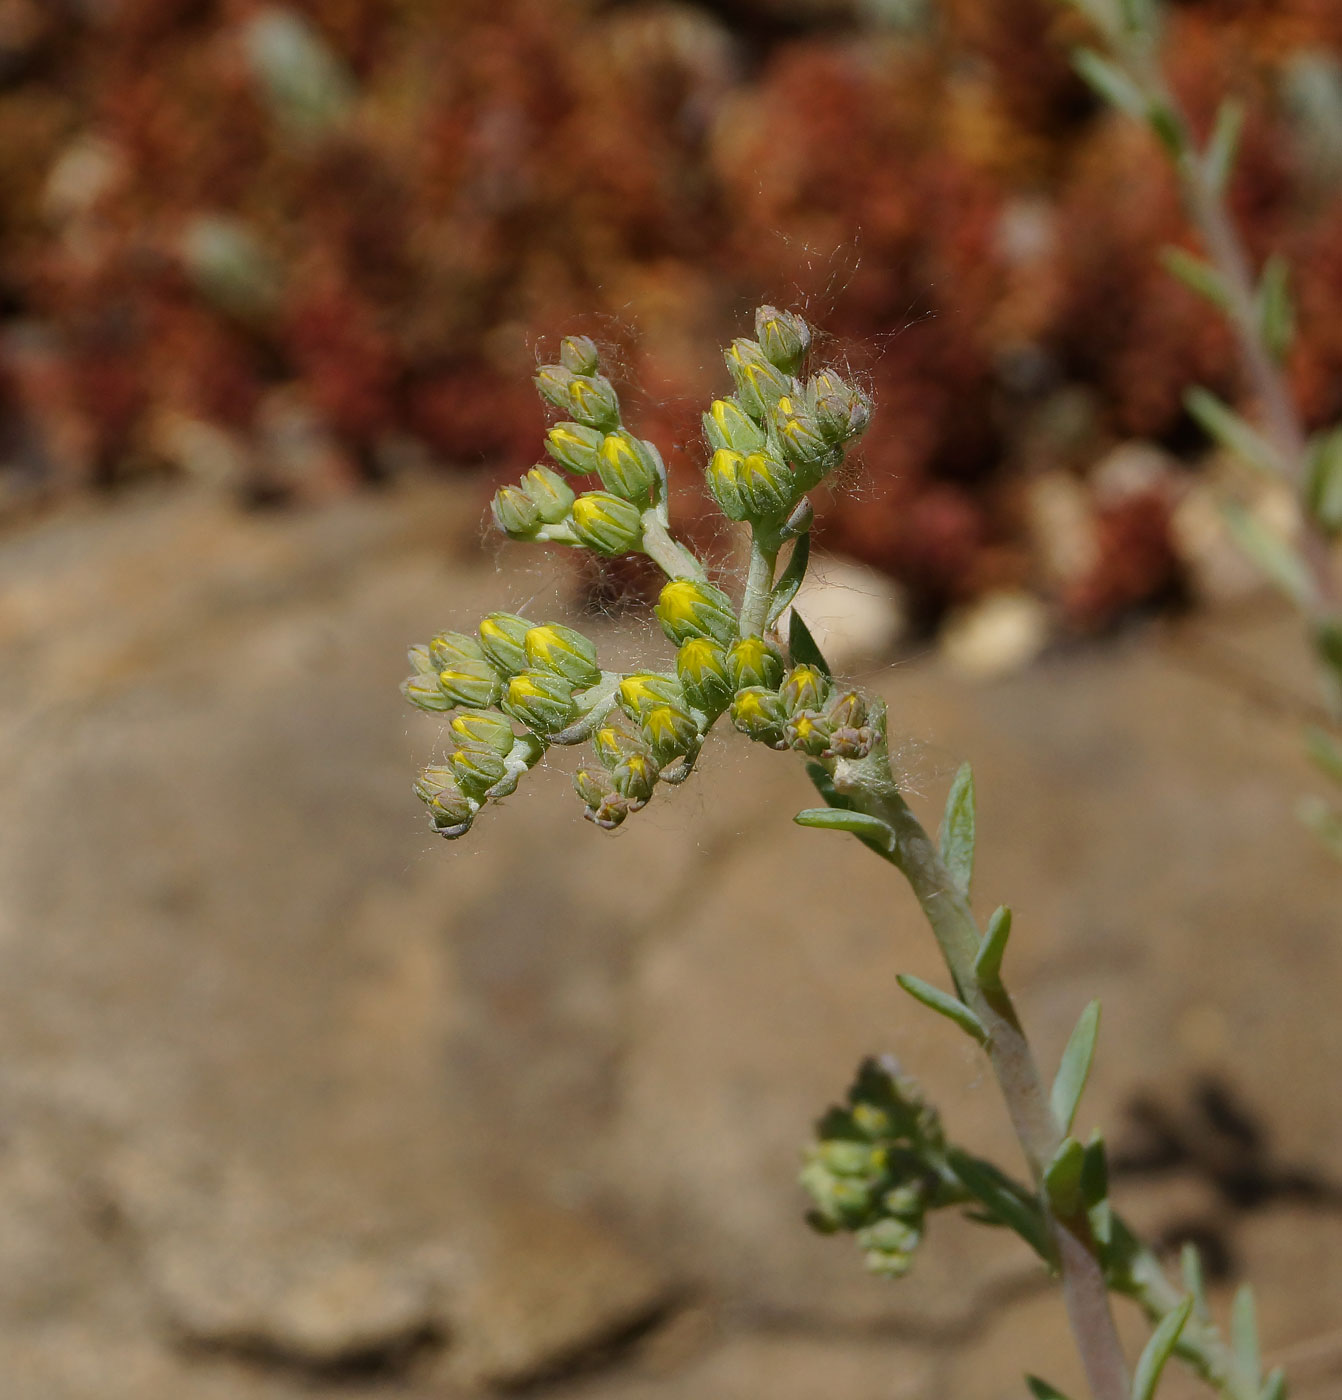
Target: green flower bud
(515, 513)
(841, 1202)
(701, 666)
(783, 336)
(668, 730)
(907, 1202)
(450, 809)
(889, 1247)
(724, 482)
(503, 641)
(436, 778)
(851, 736)
(607, 524)
(552, 383)
(841, 411)
(574, 447)
(642, 690)
(727, 424)
(614, 745)
(476, 768)
(563, 652)
(692, 608)
(549, 493)
(803, 445)
(424, 693)
(592, 787)
(634, 778)
(421, 663)
(768, 489)
(808, 732)
(592, 401)
(804, 688)
(759, 384)
(473, 683)
(484, 727)
(758, 713)
(579, 354)
(628, 467)
(610, 814)
(848, 710)
(844, 1157)
(447, 648)
(753, 661)
(540, 700)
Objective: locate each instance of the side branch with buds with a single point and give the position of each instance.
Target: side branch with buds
(515, 687)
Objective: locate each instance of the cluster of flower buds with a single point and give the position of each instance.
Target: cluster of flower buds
(797, 710)
(590, 442)
(877, 1167)
(780, 434)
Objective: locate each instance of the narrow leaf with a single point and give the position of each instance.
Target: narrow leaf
(803, 647)
(1041, 1390)
(1244, 1338)
(1169, 128)
(1157, 1351)
(944, 1005)
(1095, 1189)
(1062, 1179)
(1278, 560)
(1110, 82)
(957, 830)
(1190, 1264)
(1276, 309)
(1224, 426)
(1218, 159)
(872, 830)
(1324, 751)
(988, 964)
(790, 580)
(1004, 1199)
(1274, 1388)
(1323, 480)
(1075, 1067)
(1198, 276)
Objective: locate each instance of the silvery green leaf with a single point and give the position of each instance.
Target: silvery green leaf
(1224, 426)
(1075, 1067)
(1218, 160)
(957, 830)
(1274, 1388)
(1190, 1265)
(1062, 1179)
(1325, 752)
(1095, 1189)
(1041, 1390)
(1110, 82)
(1004, 1199)
(1157, 1351)
(1196, 274)
(988, 963)
(790, 580)
(1278, 560)
(1244, 1338)
(872, 830)
(1323, 480)
(1276, 309)
(944, 1005)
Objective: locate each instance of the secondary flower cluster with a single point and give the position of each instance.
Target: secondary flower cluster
(877, 1167)
(517, 687)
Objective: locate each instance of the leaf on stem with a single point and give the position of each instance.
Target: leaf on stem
(1062, 1179)
(790, 580)
(802, 646)
(1004, 1199)
(957, 830)
(1226, 428)
(1196, 274)
(1157, 1351)
(1110, 82)
(1276, 309)
(1278, 560)
(1041, 1390)
(988, 963)
(1095, 1189)
(1075, 1067)
(871, 830)
(1190, 1265)
(1274, 1388)
(1323, 480)
(1324, 752)
(1218, 160)
(1244, 1338)
(944, 1005)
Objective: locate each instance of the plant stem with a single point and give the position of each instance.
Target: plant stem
(870, 786)
(759, 583)
(667, 553)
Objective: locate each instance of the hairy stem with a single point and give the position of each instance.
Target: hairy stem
(668, 553)
(871, 788)
(759, 583)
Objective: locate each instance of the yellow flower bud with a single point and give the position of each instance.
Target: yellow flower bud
(486, 727)
(607, 524)
(424, 693)
(541, 701)
(564, 652)
(754, 662)
(629, 467)
(804, 688)
(579, 354)
(515, 513)
(549, 493)
(476, 768)
(668, 730)
(467, 682)
(768, 489)
(701, 666)
(574, 447)
(692, 608)
(727, 424)
(502, 640)
(723, 475)
(783, 337)
(758, 713)
(641, 691)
